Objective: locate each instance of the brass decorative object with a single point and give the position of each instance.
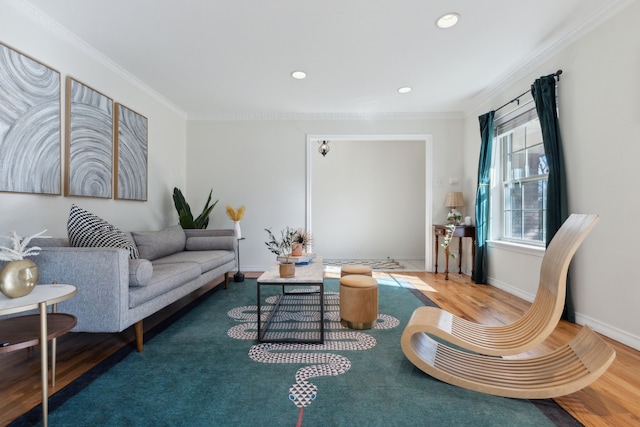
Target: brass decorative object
(18, 278)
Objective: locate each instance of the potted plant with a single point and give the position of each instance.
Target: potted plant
(282, 247)
(302, 239)
(184, 211)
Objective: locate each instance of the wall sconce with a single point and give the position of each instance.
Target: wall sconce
(324, 148)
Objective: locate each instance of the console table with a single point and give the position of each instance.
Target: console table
(460, 231)
(27, 331)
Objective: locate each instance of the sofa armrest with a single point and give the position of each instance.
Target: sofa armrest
(102, 278)
(209, 240)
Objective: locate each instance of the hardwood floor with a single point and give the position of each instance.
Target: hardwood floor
(610, 401)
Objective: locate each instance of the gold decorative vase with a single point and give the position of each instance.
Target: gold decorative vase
(18, 278)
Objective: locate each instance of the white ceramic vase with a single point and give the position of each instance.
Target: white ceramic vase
(236, 226)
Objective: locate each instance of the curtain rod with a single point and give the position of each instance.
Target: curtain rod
(517, 98)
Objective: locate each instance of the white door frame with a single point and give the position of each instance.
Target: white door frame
(428, 141)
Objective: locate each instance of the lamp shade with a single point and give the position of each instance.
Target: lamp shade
(454, 200)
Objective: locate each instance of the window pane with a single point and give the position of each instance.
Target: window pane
(518, 165)
(534, 133)
(516, 225)
(537, 161)
(513, 196)
(532, 197)
(532, 226)
(518, 139)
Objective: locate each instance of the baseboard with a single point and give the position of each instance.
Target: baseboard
(609, 331)
(511, 289)
(614, 333)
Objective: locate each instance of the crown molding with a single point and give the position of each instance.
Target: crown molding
(545, 53)
(50, 24)
(322, 116)
(490, 92)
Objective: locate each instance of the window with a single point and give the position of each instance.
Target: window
(523, 174)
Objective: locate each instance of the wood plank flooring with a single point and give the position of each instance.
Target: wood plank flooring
(610, 401)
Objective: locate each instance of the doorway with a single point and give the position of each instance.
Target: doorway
(370, 197)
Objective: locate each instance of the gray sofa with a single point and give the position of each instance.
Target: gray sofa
(115, 292)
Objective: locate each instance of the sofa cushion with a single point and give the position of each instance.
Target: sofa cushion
(157, 244)
(88, 230)
(140, 271)
(207, 260)
(165, 278)
(210, 243)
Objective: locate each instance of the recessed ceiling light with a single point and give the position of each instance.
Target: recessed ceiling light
(405, 89)
(448, 20)
(298, 75)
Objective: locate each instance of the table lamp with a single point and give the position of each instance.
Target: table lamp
(454, 200)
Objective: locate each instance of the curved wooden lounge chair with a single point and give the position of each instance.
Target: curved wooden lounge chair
(563, 371)
(542, 316)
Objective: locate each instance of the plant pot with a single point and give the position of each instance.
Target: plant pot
(287, 269)
(18, 278)
(296, 249)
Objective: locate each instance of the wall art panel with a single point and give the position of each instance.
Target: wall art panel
(131, 155)
(89, 145)
(30, 122)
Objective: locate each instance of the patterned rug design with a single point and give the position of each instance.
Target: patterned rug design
(193, 373)
(375, 264)
(298, 315)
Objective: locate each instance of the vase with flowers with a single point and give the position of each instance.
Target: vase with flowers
(19, 275)
(282, 247)
(236, 215)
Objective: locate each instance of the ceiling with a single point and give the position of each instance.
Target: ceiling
(233, 58)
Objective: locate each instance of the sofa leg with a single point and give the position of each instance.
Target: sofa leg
(226, 280)
(139, 331)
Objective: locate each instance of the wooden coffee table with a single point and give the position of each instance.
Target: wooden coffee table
(306, 275)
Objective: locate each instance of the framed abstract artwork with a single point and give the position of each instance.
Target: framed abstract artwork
(30, 125)
(89, 142)
(130, 166)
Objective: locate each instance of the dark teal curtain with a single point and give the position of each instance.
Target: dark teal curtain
(544, 95)
(482, 198)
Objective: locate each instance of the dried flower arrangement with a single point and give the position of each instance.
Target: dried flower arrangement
(235, 214)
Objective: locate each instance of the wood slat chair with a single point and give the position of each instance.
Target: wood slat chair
(539, 320)
(563, 371)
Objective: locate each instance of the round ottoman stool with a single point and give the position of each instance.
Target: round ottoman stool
(358, 301)
(355, 269)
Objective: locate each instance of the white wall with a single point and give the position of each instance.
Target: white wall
(29, 213)
(368, 199)
(261, 164)
(600, 125)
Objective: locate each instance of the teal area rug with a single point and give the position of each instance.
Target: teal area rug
(205, 368)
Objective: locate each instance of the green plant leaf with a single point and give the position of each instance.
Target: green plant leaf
(184, 211)
(181, 204)
(186, 221)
